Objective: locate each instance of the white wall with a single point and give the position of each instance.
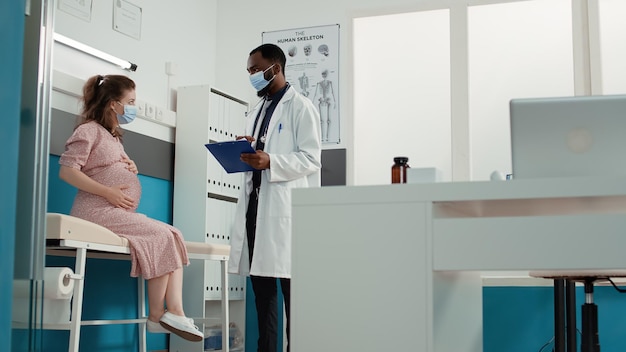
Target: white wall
(401, 94)
(210, 40)
(516, 50)
(183, 32)
(240, 31)
(240, 28)
(613, 46)
(473, 155)
(402, 84)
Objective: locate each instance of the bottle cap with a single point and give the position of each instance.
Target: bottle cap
(401, 159)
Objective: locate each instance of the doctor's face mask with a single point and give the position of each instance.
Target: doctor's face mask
(258, 80)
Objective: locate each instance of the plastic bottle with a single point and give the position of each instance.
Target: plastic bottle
(398, 170)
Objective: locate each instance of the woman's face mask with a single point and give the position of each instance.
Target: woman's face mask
(130, 112)
(258, 79)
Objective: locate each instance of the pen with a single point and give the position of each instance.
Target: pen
(280, 127)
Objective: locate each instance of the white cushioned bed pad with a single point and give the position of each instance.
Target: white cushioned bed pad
(66, 227)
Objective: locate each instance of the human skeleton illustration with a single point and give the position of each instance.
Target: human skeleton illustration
(304, 84)
(325, 95)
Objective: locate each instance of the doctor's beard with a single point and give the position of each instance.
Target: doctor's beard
(265, 91)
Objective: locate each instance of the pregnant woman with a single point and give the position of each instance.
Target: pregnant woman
(95, 162)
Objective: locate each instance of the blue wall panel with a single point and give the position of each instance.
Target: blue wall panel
(521, 319)
(110, 292)
(11, 42)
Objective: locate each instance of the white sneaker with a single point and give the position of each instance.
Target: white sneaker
(155, 328)
(181, 326)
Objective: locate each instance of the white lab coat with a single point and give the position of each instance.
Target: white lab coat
(293, 144)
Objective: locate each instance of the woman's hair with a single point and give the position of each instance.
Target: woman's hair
(98, 92)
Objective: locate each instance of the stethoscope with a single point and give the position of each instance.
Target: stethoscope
(255, 106)
(264, 100)
(261, 101)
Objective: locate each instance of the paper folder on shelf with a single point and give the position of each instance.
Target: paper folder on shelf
(228, 153)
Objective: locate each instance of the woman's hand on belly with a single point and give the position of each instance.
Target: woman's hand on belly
(118, 198)
(132, 167)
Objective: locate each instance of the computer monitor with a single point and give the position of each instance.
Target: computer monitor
(568, 136)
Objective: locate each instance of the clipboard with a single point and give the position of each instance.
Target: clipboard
(228, 153)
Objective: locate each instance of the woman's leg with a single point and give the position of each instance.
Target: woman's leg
(174, 293)
(174, 319)
(156, 296)
(166, 289)
(174, 289)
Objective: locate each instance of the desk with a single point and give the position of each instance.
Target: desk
(398, 267)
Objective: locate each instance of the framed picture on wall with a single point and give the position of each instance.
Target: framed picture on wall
(127, 18)
(78, 8)
(313, 70)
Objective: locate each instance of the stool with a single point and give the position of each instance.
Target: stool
(590, 341)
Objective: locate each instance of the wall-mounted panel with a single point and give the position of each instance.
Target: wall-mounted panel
(401, 93)
(613, 45)
(520, 49)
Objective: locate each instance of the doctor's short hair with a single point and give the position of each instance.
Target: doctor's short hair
(272, 53)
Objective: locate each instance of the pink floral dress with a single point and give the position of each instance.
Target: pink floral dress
(156, 248)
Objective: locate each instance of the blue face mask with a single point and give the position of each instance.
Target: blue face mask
(258, 79)
(130, 112)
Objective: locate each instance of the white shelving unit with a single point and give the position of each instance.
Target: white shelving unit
(204, 201)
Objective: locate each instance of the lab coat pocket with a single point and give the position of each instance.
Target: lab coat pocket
(283, 139)
(279, 200)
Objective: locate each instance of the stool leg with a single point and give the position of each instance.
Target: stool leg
(559, 315)
(590, 340)
(570, 307)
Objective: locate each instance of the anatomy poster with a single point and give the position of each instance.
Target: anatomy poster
(313, 69)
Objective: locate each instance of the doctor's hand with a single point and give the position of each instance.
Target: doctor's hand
(259, 160)
(248, 138)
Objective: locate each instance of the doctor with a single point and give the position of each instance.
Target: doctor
(285, 131)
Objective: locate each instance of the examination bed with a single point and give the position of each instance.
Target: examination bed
(70, 236)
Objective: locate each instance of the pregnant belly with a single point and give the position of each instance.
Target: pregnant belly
(117, 174)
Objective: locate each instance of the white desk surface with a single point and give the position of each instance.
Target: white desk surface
(579, 187)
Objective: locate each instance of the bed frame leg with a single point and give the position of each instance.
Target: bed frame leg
(77, 301)
(225, 306)
(141, 305)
